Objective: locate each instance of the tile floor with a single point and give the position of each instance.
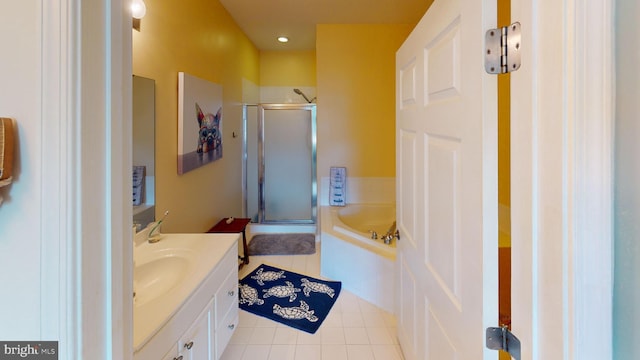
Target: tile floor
(353, 330)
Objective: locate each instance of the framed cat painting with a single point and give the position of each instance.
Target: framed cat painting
(199, 122)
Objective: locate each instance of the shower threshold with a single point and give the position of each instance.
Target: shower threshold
(254, 228)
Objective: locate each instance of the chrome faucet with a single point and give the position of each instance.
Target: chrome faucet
(391, 234)
(154, 238)
(387, 238)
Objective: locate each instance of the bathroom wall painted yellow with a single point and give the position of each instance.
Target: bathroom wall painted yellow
(288, 68)
(198, 37)
(356, 97)
(504, 108)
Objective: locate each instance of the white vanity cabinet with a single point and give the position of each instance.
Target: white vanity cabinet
(201, 328)
(172, 354)
(226, 314)
(196, 344)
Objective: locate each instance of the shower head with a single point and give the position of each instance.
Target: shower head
(299, 92)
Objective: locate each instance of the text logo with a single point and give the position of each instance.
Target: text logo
(30, 350)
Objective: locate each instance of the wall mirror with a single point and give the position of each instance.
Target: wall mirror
(144, 121)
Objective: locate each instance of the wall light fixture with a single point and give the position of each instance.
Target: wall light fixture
(138, 9)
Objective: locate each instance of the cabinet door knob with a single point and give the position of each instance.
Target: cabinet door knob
(189, 345)
(231, 326)
(231, 292)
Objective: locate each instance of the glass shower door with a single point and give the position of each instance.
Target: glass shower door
(287, 175)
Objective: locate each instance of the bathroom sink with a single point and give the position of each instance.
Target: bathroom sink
(164, 266)
(158, 276)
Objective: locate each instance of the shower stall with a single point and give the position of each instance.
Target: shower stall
(280, 163)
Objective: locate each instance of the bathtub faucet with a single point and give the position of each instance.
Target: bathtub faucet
(387, 238)
(374, 235)
(391, 233)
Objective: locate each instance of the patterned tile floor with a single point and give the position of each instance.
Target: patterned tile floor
(354, 329)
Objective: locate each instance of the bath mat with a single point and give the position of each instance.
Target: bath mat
(293, 299)
(282, 244)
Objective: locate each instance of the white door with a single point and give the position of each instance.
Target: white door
(561, 152)
(446, 140)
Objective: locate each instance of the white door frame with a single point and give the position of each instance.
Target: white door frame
(561, 164)
(86, 178)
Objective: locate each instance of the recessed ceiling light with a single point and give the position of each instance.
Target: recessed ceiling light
(283, 39)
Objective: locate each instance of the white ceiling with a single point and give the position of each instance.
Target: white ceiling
(264, 20)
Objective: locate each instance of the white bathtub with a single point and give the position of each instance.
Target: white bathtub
(359, 221)
(348, 254)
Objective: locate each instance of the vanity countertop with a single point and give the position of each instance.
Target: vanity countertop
(168, 273)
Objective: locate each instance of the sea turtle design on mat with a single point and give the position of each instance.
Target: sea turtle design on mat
(262, 276)
(249, 295)
(296, 312)
(282, 291)
(310, 286)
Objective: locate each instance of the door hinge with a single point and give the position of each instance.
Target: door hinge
(502, 49)
(500, 338)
